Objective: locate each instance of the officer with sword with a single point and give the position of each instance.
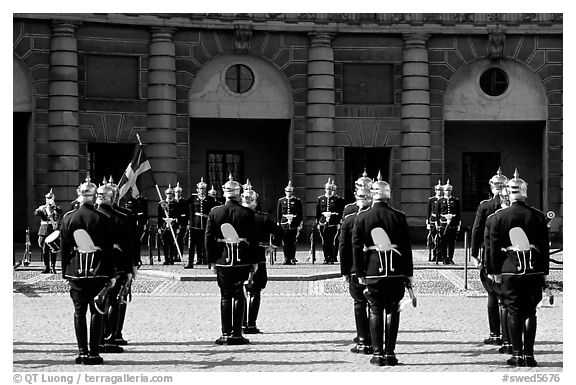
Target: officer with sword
(200, 205)
(448, 217)
(289, 218)
(329, 209)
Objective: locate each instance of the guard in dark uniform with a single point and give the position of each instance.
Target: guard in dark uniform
(234, 259)
(431, 221)
(172, 208)
(50, 217)
(136, 212)
(521, 265)
(448, 215)
(496, 288)
(385, 269)
(486, 208)
(289, 218)
(214, 194)
(124, 265)
(348, 269)
(329, 209)
(200, 206)
(269, 235)
(183, 215)
(88, 271)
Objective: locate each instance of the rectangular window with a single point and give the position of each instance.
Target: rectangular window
(368, 83)
(221, 164)
(477, 169)
(112, 77)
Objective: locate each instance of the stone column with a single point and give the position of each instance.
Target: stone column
(161, 134)
(320, 115)
(63, 135)
(415, 145)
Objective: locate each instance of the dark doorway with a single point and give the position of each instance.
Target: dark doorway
(256, 149)
(20, 174)
(108, 159)
(477, 168)
(508, 144)
(356, 159)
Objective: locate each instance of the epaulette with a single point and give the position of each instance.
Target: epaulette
(502, 208)
(349, 204)
(68, 212)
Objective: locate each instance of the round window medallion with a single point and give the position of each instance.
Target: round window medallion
(494, 81)
(239, 78)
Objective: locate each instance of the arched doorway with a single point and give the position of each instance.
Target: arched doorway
(23, 150)
(240, 114)
(494, 115)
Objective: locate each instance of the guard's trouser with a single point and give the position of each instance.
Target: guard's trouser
(289, 244)
(197, 246)
(329, 236)
(232, 302)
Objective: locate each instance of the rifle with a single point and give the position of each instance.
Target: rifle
(312, 245)
(27, 254)
(125, 292)
(150, 244)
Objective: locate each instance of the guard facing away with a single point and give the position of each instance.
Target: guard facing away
(485, 209)
(348, 271)
(329, 209)
(448, 216)
(383, 261)
(269, 237)
(519, 258)
(49, 233)
(431, 223)
(289, 218)
(495, 287)
(87, 243)
(200, 205)
(172, 209)
(231, 246)
(183, 215)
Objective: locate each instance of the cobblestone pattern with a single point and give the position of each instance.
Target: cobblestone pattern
(301, 334)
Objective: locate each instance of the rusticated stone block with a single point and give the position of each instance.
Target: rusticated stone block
(547, 42)
(414, 111)
(463, 45)
(415, 69)
(416, 167)
(320, 110)
(415, 82)
(537, 60)
(319, 153)
(454, 60)
(553, 84)
(554, 56)
(440, 41)
(415, 153)
(160, 138)
(414, 182)
(550, 70)
(415, 139)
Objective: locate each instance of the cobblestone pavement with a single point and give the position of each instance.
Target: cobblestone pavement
(308, 325)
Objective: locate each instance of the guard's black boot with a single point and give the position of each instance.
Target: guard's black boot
(376, 319)
(506, 347)
(46, 270)
(529, 338)
(494, 339)
(81, 331)
(493, 319)
(166, 250)
(189, 265)
(226, 320)
(96, 322)
(53, 269)
(252, 313)
(117, 338)
(239, 305)
(363, 340)
(391, 332)
(516, 326)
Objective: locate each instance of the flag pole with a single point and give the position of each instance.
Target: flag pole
(170, 225)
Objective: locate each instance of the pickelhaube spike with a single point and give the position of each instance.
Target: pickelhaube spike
(248, 185)
(177, 188)
(49, 195)
(169, 190)
(380, 189)
(289, 187)
(231, 188)
(363, 182)
(498, 180)
(439, 186)
(517, 187)
(111, 180)
(104, 182)
(201, 184)
(87, 188)
(448, 186)
(212, 191)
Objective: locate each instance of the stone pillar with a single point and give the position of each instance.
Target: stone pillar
(63, 135)
(320, 113)
(161, 134)
(415, 146)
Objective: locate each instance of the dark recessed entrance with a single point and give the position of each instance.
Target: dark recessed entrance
(108, 159)
(20, 175)
(472, 147)
(256, 149)
(356, 159)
